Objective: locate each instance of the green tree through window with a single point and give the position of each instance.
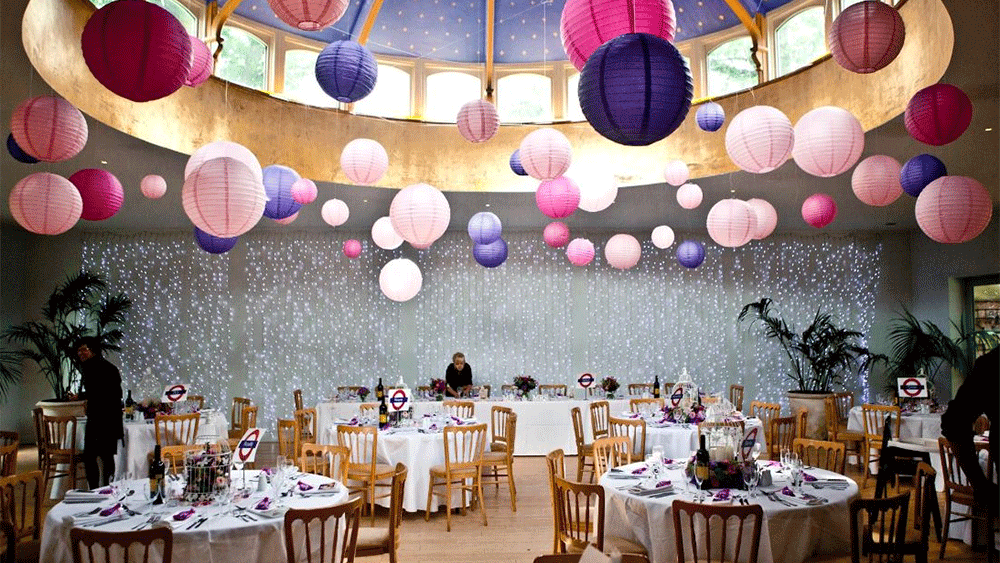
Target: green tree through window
(524, 98)
(730, 67)
(800, 40)
(300, 79)
(243, 60)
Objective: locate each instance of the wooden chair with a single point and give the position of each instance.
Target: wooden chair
(287, 438)
(8, 453)
(880, 532)
(60, 449)
(249, 417)
(706, 427)
(711, 539)
(173, 456)
(463, 461)
(873, 417)
(200, 399)
(611, 452)
(368, 409)
(502, 457)
(36, 415)
(844, 402)
(305, 422)
(555, 461)
(380, 541)
(584, 450)
(634, 430)
(801, 420)
(498, 428)
(86, 539)
(297, 397)
(363, 467)
(765, 412)
(818, 453)
(8, 553)
(21, 506)
(736, 396)
(638, 389)
(636, 405)
(329, 461)
(916, 541)
(328, 530)
(484, 391)
(600, 412)
(177, 429)
(236, 417)
(553, 390)
(575, 558)
(580, 514)
(461, 409)
(958, 490)
(504, 389)
(851, 439)
(782, 432)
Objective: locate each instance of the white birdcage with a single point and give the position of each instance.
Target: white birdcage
(206, 472)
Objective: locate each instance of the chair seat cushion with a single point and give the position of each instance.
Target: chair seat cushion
(495, 457)
(373, 538)
(498, 447)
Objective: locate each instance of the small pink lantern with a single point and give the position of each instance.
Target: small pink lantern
(689, 196)
(49, 128)
(364, 161)
(828, 141)
(556, 234)
(352, 248)
(223, 197)
(224, 148)
(622, 251)
(676, 172)
(202, 63)
(819, 210)
(309, 15)
(288, 220)
(866, 37)
(587, 24)
(731, 223)
(45, 204)
(759, 139)
(101, 192)
(558, 198)
(938, 114)
(767, 217)
(384, 235)
(153, 186)
(876, 180)
(663, 236)
(545, 154)
(953, 209)
(335, 212)
(580, 251)
(400, 279)
(420, 214)
(478, 121)
(304, 191)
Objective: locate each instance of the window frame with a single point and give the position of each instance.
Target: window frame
(431, 68)
(270, 38)
(546, 71)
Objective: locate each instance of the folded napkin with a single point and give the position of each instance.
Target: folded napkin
(183, 515)
(99, 494)
(722, 495)
(324, 489)
(111, 510)
(787, 491)
(640, 470)
(303, 486)
(808, 478)
(659, 488)
(264, 504)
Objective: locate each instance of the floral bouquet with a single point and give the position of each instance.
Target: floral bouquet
(609, 384)
(207, 472)
(150, 407)
(721, 474)
(693, 415)
(438, 386)
(525, 383)
(363, 392)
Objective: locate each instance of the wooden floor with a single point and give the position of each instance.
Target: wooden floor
(513, 537)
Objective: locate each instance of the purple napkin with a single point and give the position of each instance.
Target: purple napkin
(106, 491)
(639, 471)
(304, 486)
(457, 420)
(184, 514)
(353, 421)
(787, 492)
(774, 464)
(722, 495)
(662, 484)
(111, 510)
(807, 477)
(264, 504)
(269, 471)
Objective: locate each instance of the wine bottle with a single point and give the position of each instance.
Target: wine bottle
(156, 471)
(656, 387)
(383, 414)
(701, 461)
(379, 391)
(129, 404)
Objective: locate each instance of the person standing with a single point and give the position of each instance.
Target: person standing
(458, 376)
(101, 386)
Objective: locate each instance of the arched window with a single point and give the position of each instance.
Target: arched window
(183, 15)
(573, 111)
(446, 92)
(243, 60)
(800, 40)
(730, 67)
(524, 98)
(391, 96)
(300, 79)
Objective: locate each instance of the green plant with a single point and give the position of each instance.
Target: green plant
(76, 308)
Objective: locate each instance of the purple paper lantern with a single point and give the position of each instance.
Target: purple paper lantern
(710, 117)
(515, 163)
(101, 192)
(213, 244)
(920, 171)
(346, 71)
(635, 89)
(17, 153)
(490, 255)
(278, 182)
(938, 114)
(484, 227)
(690, 254)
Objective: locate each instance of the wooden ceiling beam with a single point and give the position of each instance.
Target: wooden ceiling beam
(219, 20)
(491, 10)
(370, 22)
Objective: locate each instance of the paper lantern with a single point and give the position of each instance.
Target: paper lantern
(828, 141)
(137, 50)
(101, 192)
(558, 198)
(335, 212)
(876, 180)
(45, 204)
(710, 117)
(689, 196)
(635, 89)
(223, 197)
(400, 279)
(767, 217)
(213, 244)
(622, 251)
(49, 128)
(352, 248)
(819, 210)
(309, 15)
(580, 251)
(731, 222)
(587, 24)
(346, 71)
(920, 171)
(228, 149)
(676, 172)
(364, 161)
(598, 189)
(153, 186)
(490, 255)
(304, 191)
(278, 181)
(690, 254)
(545, 154)
(478, 121)
(938, 114)
(953, 209)
(17, 153)
(866, 37)
(556, 234)
(484, 227)
(202, 63)
(515, 163)
(663, 236)
(288, 220)
(759, 139)
(420, 214)
(384, 235)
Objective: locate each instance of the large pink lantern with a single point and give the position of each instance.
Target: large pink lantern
(767, 217)
(866, 37)
(558, 198)
(478, 121)
(556, 234)
(101, 192)
(819, 210)
(384, 235)
(622, 251)
(153, 186)
(663, 236)
(676, 172)
(953, 209)
(352, 248)
(364, 161)
(228, 149)
(545, 154)
(400, 279)
(876, 180)
(759, 139)
(580, 251)
(731, 222)
(223, 197)
(49, 128)
(304, 191)
(309, 15)
(202, 63)
(420, 214)
(45, 204)
(587, 24)
(335, 212)
(689, 196)
(828, 141)
(938, 114)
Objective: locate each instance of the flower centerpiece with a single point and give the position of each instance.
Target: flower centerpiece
(207, 472)
(721, 475)
(691, 413)
(363, 392)
(610, 385)
(151, 407)
(524, 385)
(438, 387)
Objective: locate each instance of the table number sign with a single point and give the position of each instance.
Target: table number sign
(585, 381)
(399, 399)
(912, 387)
(746, 447)
(246, 450)
(174, 393)
(676, 396)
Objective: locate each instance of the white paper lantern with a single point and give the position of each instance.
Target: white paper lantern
(689, 196)
(828, 141)
(45, 203)
(759, 139)
(400, 279)
(622, 251)
(478, 121)
(153, 186)
(676, 172)
(767, 217)
(663, 236)
(876, 180)
(228, 149)
(731, 222)
(223, 197)
(598, 189)
(545, 154)
(364, 161)
(420, 214)
(335, 212)
(384, 235)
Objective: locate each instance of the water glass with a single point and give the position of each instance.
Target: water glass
(747, 472)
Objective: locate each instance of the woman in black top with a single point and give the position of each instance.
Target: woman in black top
(458, 376)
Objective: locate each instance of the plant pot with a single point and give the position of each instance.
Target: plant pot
(53, 407)
(814, 402)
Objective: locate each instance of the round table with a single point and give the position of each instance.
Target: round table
(678, 440)
(911, 424)
(419, 451)
(132, 460)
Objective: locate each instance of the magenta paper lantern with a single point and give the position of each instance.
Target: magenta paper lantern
(101, 192)
(137, 50)
(400, 279)
(556, 234)
(309, 15)
(545, 154)
(759, 139)
(288, 220)
(587, 24)
(938, 114)
(202, 63)
(953, 209)
(819, 210)
(676, 172)
(622, 251)
(364, 161)
(689, 196)
(558, 198)
(663, 236)
(352, 248)
(335, 212)
(876, 180)
(45, 204)
(384, 235)
(304, 191)
(580, 251)
(828, 141)
(420, 214)
(767, 217)
(219, 149)
(223, 197)
(478, 121)
(49, 128)
(153, 186)
(731, 222)
(866, 37)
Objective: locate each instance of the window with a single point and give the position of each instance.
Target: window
(573, 111)
(800, 40)
(524, 98)
(183, 15)
(391, 96)
(447, 92)
(730, 67)
(243, 60)
(300, 79)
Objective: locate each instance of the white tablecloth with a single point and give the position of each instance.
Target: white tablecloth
(140, 438)
(679, 440)
(912, 425)
(419, 452)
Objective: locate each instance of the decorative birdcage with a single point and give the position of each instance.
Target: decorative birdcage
(206, 472)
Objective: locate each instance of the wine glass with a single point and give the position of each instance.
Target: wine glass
(698, 481)
(755, 451)
(747, 471)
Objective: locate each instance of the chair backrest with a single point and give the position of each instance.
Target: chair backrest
(297, 397)
(782, 432)
(236, 413)
(484, 391)
(553, 390)
(610, 452)
(831, 456)
(7, 437)
(801, 422)
(176, 429)
(368, 408)
(955, 480)
(287, 433)
(8, 457)
(832, 417)
(578, 433)
(140, 545)
(637, 405)
(845, 402)
(874, 421)
(581, 514)
(736, 396)
(36, 415)
(249, 417)
(423, 390)
(463, 448)
(21, 503)
(362, 442)
(461, 409)
(924, 497)
(174, 456)
(200, 399)
(635, 430)
(317, 535)
(305, 424)
(981, 425)
(352, 389)
(498, 424)
(9, 546)
(706, 427)
(765, 412)
(717, 532)
(637, 389)
(555, 461)
(881, 531)
(600, 412)
(396, 504)
(329, 461)
(60, 434)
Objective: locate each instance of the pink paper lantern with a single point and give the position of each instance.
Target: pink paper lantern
(101, 192)
(938, 114)
(663, 236)
(556, 234)
(309, 15)
(876, 180)
(580, 251)
(689, 196)
(304, 191)
(153, 186)
(676, 172)
(587, 24)
(352, 248)
(364, 161)
(759, 139)
(622, 251)
(731, 222)
(400, 279)
(953, 209)
(420, 214)
(45, 204)
(478, 121)
(202, 63)
(819, 210)
(335, 212)
(49, 128)
(767, 217)
(223, 197)
(384, 235)
(866, 37)
(557, 198)
(288, 220)
(545, 154)
(219, 149)
(828, 141)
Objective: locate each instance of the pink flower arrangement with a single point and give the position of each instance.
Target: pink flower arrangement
(438, 386)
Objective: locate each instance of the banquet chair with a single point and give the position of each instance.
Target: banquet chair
(611, 452)
(873, 417)
(60, 449)
(634, 430)
(504, 389)
(8, 453)
(636, 405)
(600, 412)
(328, 530)
(461, 409)
(819, 453)
(696, 522)
(368, 409)
(878, 528)
(173, 456)
(580, 513)
(736, 396)
(981, 425)
(381, 541)
(305, 424)
(363, 467)
(200, 399)
(297, 398)
(288, 445)
(236, 417)
(958, 490)
(21, 506)
(555, 461)
(36, 415)
(349, 389)
(639, 389)
(583, 449)
(915, 542)
(463, 461)
(423, 390)
(176, 429)
(783, 430)
(494, 460)
(844, 402)
(84, 540)
(498, 428)
(553, 390)
(801, 423)
(575, 558)
(765, 412)
(328, 461)
(484, 391)
(249, 418)
(8, 550)
(835, 432)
